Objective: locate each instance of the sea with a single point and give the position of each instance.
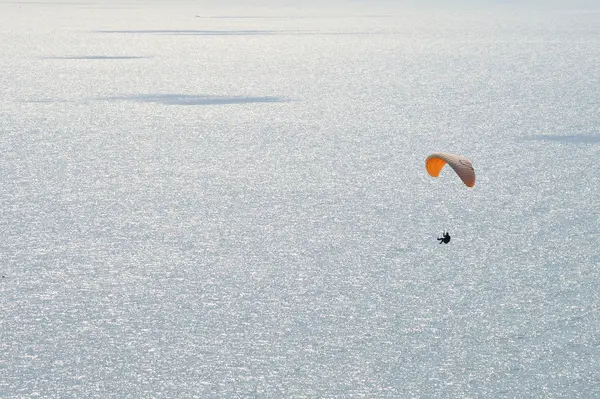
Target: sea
(204, 199)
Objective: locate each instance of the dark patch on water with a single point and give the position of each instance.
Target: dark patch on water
(167, 32)
(569, 139)
(187, 99)
(96, 57)
(47, 101)
(193, 32)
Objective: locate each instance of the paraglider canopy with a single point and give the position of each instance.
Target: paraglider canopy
(461, 165)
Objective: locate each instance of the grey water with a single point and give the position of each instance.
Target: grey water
(230, 201)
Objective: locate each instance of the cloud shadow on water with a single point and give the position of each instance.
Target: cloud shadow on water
(46, 101)
(237, 32)
(193, 32)
(568, 139)
(187, 99)
(96, 57)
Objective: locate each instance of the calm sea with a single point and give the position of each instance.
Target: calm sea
(230, 201)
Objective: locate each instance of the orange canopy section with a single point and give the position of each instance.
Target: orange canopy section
(461, 165)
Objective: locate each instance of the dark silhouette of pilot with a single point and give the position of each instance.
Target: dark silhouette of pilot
(445, 238)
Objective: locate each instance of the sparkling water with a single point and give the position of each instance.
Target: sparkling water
(230, 201)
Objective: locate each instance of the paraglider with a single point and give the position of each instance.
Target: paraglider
(461, 165)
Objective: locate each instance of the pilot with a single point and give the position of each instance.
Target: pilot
(445, 238)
